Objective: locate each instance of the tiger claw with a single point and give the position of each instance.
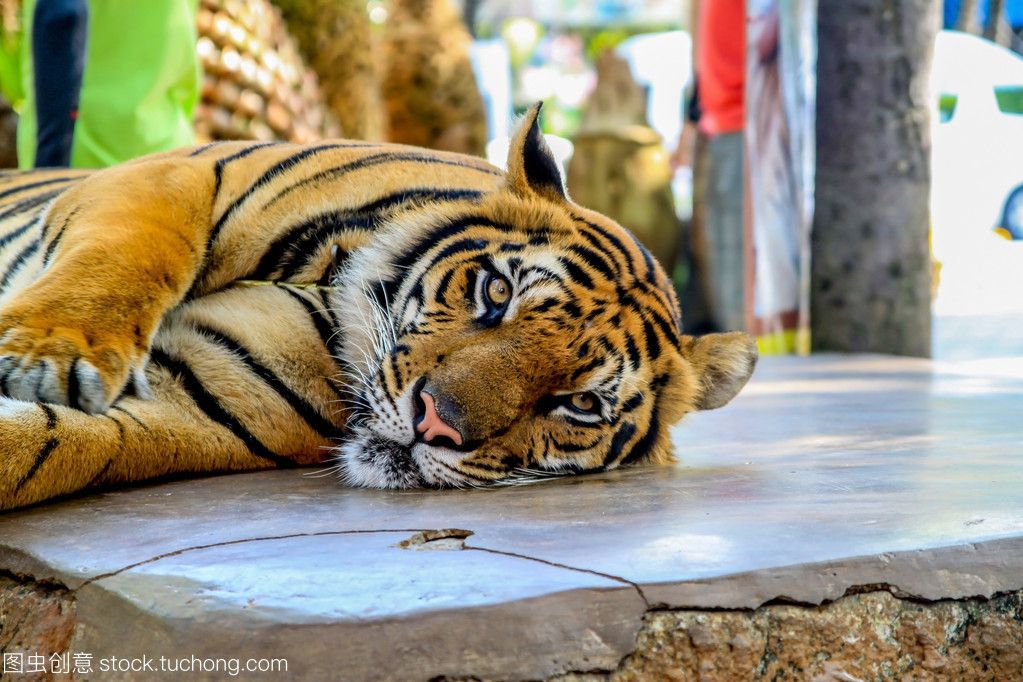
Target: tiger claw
(83, 387)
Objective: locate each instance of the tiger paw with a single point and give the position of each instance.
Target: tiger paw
(64, 366)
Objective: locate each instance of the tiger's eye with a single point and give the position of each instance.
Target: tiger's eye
(584, 402)
(498, 290)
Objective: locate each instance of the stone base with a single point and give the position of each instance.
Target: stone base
(34, 617)
(868, 636)
(847, 518)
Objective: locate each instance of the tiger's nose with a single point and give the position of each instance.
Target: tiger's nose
(432, 426)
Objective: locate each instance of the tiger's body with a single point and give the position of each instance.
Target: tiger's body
(421, 318)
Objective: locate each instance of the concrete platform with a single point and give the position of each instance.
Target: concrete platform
(852, 480)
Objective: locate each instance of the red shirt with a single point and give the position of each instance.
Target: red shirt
(721, 65)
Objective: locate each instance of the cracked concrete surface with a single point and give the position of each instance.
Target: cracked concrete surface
(827, 475)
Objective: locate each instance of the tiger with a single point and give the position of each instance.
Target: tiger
(406, 318)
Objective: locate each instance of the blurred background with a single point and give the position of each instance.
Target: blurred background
(827, 174)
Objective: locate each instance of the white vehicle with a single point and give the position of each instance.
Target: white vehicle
(977, 136)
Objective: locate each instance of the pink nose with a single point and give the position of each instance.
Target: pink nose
(432, 425)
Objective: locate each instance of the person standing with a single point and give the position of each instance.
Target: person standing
(138, 87)
(719, 46)
(58, 51)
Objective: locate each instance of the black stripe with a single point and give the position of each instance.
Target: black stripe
(643, 445)
(212, 408)
(653, 344)
(442, 286)
(396, 379)
(327, 329)
(595, 243)
(647, 259)
(131, 416)
(120, 427)
(592, 364)
(595, 260)
(651, 279)
(218, 167)
(613, 240)
(325, 326)
(545, 305)
(571, 447)
(622, 436)
(418, 194)
(27, 204)
(18, 261)
(276, 170)
(335, 172)
(456, 248)
(462, 472)
(632, 350)
(632, 403)
(443, 232)
(296, 239)
(671, 333)
(302, 244)
(18, 231)
(52, 246)
(282, 251)
(33, 185)
(306, 411)
(41, 457)
(576, 272)
(572, 310)
(51, 416)
(47, 449)
(73, 389)
(199, 150)
(106, 467)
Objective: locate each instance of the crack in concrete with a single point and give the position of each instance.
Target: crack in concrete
(227, 543)
(607, 576)
(852, 590)
(420, 535)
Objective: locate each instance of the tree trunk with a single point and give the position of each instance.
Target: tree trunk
(967, 19)
(870, 269)
(994, 18)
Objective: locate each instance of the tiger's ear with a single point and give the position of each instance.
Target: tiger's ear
(723, 363)
(532, 168)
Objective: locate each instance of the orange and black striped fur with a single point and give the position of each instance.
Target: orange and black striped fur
(242, 306)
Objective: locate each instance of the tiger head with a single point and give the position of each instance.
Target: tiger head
(517, 336)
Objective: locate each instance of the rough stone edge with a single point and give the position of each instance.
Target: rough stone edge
(914, 640)
(966, 574)
(35, 615)
(589, 628)
(26, 566)
(977, 569)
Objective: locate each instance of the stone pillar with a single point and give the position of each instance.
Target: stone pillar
(870, 276)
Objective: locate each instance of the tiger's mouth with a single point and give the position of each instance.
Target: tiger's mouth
(370, 460)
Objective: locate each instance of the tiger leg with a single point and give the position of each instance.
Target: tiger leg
(47, 451)
(226, 397)
(117, 252)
